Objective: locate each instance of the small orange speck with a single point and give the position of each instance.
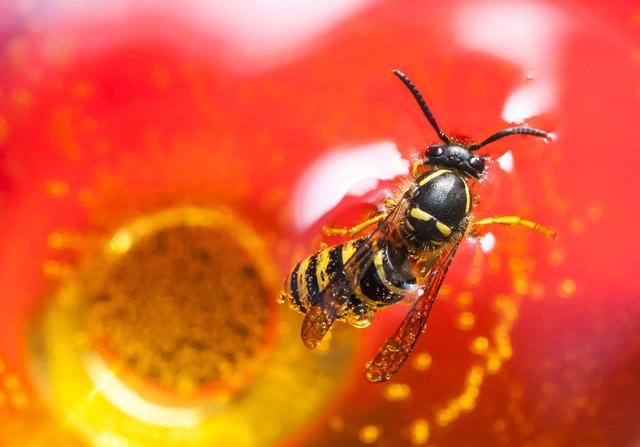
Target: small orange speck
(557, 256)
(577, 226)
(635, 18)
(55, 240)
(422, 361)
(566, 288)
(493, 363)
(505, 350)
(397, 391)
(53, 269)
(336, 423)
(475, 376)
(445, 291)
(419, 431)
(11, 382)
(520, 283)
(595, 212)
(369, 434)
(56, 188)
(19, 400)
(446, 415)
(537, 290)
(502, 301)
(480, 345)
(465, 298)
(466, 321)
(467, 401)
(499, 425)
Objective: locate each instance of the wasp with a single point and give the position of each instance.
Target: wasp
(407, 253)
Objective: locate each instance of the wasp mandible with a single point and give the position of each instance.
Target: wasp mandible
(408, 252)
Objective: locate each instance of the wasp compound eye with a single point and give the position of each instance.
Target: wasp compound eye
(435, 151)
(477, 163)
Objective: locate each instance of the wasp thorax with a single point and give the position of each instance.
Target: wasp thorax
(438, 206)
(455, 156)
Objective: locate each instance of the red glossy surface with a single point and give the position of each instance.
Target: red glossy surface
(104, 119)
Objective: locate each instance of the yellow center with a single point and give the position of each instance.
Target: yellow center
(183, 307)
(169, 335)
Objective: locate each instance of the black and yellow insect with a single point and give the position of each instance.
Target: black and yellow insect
(407, 254)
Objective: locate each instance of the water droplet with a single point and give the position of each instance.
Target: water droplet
(373, 376)
(360, 316)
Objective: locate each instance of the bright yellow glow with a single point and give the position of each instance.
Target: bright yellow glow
(120, 242)
(480, 345)
(108, 406)
(369, 434)
(567, 288)
(475, 376)
(421, 361)
(493, 363)
(56, 188)
(465, 298)
(112, 389)
(466, 321)
(397, 391)
(419, 431)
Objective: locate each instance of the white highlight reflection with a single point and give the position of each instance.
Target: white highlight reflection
(525, 33)
(337, 173)
(505, 161)
(255, 34)
(487, 242)
(126, 400)
(264, 29)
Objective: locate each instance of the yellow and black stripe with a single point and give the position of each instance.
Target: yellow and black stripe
(380, 284)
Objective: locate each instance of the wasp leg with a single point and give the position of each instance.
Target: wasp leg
(333, 231)
(516, 220)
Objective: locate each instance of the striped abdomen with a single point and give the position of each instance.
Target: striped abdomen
(381, 284)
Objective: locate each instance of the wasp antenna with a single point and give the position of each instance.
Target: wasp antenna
(423, 105)
(510, 131)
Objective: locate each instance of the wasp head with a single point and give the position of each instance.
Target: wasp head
(455, 153)
(456, 157)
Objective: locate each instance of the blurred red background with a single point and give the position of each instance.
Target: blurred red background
(114, 112)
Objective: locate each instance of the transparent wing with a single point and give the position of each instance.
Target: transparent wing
(335, 296)
(397, 348)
